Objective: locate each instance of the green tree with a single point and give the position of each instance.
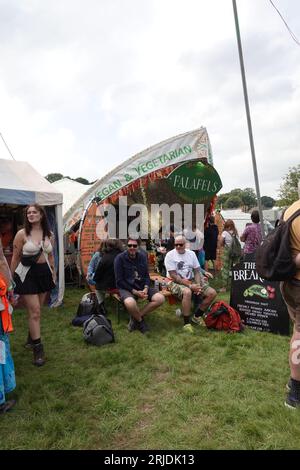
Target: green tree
(249, 198)
(233, 202)
(81, 180)
(51, 177)
(288, 192)
(267, 202)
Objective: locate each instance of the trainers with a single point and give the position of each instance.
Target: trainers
(38, 355)
(132, 325)
(6, 406)
(291, 401)
(197, 320)
(188, 328)
(143, 327)
(178, 312)
(289, 385)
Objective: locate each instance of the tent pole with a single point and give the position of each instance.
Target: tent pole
(238, 36)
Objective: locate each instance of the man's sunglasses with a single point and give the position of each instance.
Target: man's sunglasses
(132, 245)
(179, 244)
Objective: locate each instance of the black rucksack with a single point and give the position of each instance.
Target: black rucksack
(87, 307)
(273, 257)
(97, 330)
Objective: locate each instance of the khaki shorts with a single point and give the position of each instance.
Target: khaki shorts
(290, 291)
(177, 290)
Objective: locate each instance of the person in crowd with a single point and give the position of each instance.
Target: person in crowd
(95, 259)
(7, 370)
(168, 243)
(104, 277)
(34, 272)
(133, 282)
(6, 232)
(211, 233)
(188, 283)
(291, 294)
(225, 242)
(195, 239)
(252, 235)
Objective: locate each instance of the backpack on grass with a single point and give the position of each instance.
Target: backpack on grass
(273, 257)
(97, 330)
(87, 307)
(223, 317)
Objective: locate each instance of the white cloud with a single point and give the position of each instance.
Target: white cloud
(85, 85)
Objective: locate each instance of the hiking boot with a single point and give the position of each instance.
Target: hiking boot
(6, 406)
(142, 326)
(38, 355)
(197, 320)
(188, 328)
(132, 325)
(29, 343)
(292, 401)
(178, 312)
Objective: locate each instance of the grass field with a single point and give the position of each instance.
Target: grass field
(166, 390)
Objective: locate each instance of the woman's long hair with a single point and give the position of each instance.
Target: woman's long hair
(111, 244)
(44, 221)
(229, 226)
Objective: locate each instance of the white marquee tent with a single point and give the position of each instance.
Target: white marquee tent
(71, 190)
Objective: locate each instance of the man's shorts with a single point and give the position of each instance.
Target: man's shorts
(125, 294)
(290, 291)
(177, 291)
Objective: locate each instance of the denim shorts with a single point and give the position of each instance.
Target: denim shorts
(125, 294)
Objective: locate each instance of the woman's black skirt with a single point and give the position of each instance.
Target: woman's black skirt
(37, 280)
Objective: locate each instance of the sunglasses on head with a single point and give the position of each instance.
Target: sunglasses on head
(131, 245)
(179, 244)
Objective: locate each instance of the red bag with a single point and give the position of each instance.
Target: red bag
(223, 317)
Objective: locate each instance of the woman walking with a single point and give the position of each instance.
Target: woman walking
(33, 268)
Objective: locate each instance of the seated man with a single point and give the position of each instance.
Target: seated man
(133, 282)
(188, 282)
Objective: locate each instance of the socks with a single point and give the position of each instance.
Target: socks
(295, 388)
(36, 341)
(199, 313)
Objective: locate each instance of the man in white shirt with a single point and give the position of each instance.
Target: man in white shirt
(187, 282)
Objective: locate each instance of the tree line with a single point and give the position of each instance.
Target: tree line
(246, 198)
(52, 177)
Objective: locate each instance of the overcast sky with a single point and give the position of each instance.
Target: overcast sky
(84, 85)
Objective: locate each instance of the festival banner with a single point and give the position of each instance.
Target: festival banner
(259, 302)
(192, 145)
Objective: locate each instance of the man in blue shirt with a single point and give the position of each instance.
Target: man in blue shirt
(133, 282)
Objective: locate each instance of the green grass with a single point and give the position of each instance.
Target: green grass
(166, 390)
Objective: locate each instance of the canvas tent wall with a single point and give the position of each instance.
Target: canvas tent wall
(20, 185)
(156, 164)
(184, 147)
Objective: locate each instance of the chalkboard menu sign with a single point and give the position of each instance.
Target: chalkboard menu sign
(259, 302)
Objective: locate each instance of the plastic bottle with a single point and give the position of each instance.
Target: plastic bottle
(156, 283)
